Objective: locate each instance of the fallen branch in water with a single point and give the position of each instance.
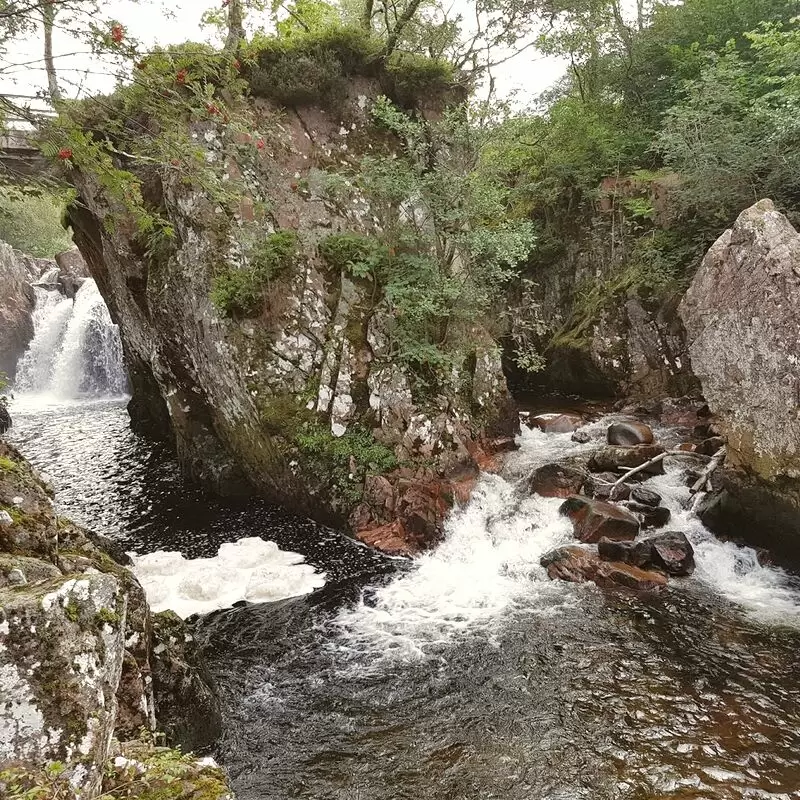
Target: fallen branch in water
(701, 486)
(660, 457)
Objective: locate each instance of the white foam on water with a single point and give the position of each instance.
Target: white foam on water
(251, 569)
(768, 593)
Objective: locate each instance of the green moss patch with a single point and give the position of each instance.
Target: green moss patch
(238, 292)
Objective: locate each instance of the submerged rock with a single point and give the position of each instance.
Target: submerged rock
(593, 520)
(556, 480)
(629, 433)
(644, 496)
(614, 457)
(557, 423)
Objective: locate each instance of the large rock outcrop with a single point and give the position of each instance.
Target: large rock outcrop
(743, 332)
(299, 397)
(77, 650)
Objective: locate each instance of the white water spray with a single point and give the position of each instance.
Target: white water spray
(76, 349)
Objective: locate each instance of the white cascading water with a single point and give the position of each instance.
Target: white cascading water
(50, 316)
(76, 349)
(488, 566)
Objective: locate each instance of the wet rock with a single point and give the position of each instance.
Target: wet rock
(637, 554)
(581, 437)
(629, 433)
(612, 457)
(578, 565)
(391, 539)
(16, 305)
(600, 486)
(688, 447)
(593, 520)
(186, 702)
(710, 446)
(557, 423)
(644, 496)
(572, 563)
(670, 552)
(613, 574)
(682, 412)
(556, 480)
(651, 517)
(5, 418)
(58, 689)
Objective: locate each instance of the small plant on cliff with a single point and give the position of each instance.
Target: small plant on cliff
(240, 291)
(346, 460)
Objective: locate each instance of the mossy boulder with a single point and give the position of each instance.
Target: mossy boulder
(61, 649)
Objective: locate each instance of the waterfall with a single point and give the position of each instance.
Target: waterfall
(76, 349)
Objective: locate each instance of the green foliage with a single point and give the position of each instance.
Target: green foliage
(361, 256)
(734, 137)
(312, 67)
(346, 460)
(239, 291)
(32, 224)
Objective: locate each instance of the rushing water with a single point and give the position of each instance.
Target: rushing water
(467, 674)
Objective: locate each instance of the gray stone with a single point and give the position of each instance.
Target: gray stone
(58, 689)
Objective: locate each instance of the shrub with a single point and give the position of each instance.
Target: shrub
(237, 292)
(359, 255)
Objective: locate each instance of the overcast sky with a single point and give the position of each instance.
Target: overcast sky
(528, 74)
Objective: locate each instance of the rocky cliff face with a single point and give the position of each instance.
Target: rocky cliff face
(743, 332)
(298, 395)
(76, 652)
(603, 316)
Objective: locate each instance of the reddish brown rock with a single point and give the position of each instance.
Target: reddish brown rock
(557, 423)
(710, 446)
(628, 434)
(593, 520)
(391, 539)
(556, 480)
(613, 574)
(578, 565)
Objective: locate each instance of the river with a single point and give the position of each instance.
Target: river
(467, 674)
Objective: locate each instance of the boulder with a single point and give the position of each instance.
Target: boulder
(600, 486)
(629, 433)
(593, 520)
(187, 705)
(557, 423)
(578, 565)
(581, 437)
(673, 553)
(59, 689)
(16, 306)
(710, 446)
(647, 497)
(556, 480)
(651, 517)
(613, 457)
(670, 552)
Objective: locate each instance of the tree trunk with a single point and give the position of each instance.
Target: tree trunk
(366, 15)
(235, 26)
(393, 37)
(48, 18)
